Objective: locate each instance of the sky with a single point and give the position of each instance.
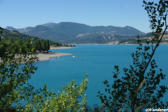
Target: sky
(24, 13)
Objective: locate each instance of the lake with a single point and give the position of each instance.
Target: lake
(96, 60)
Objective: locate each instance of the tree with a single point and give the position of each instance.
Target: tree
(13, 76)
(39, 45)
(16, 68)
(47, 45)
(0, 33)
(71, 98)
(139, 87)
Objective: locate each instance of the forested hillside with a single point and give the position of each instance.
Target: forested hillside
(26, 41)
(69, 32)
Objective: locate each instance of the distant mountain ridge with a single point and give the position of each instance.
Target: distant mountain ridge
(11, 33)
(70, 32)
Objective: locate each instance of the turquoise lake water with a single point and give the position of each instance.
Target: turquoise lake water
(96, 60)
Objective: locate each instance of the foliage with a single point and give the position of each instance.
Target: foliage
(39, 45)
(16, 67)
(132, 89)
(71, 98)
(57, 44)
(139, 87)
(15, 70)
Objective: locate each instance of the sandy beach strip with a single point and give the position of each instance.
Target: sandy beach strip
(48, 56)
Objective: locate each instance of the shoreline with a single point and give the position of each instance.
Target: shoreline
(61, 48)
(162, 43)
(48, 56)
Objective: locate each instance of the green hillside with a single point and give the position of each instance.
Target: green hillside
(27, 41)
(69, 32)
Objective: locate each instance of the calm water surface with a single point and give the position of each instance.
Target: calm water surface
(96, 60)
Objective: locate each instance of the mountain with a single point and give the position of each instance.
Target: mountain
(69, 32)
(38, 43)
(11, 28)
(11, 33)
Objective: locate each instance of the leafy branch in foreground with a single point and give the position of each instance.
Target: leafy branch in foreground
(71, 98)
(14, 74)
(140, 85)
(17, 59)
(133, 90)
(16, 68)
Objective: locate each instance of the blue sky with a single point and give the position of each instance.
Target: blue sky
(23, 13)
